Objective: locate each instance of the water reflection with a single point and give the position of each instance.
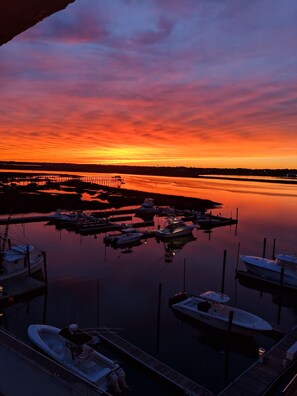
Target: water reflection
(282, 298)
(220, 340)
(92, 284)
(175, 245)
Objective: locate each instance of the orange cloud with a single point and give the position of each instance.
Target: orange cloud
(153, 83)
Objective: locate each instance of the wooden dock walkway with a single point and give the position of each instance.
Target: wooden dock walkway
(14, 290)
(184, 384)
(259, 378)
(25, 371)
(23, 219)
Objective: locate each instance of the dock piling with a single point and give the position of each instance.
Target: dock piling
(264, 247)
(223, 273)
(44, 266)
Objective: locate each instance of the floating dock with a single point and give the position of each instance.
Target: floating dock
(23, 219)
(15, 290)
(261, 376)
(182, 383)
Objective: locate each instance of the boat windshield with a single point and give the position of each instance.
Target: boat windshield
(78, 338)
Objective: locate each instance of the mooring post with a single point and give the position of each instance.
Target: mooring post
(282, 276)
(158, 317)
(28, 260)
(223, 274)
(184, 288)
(273, 250)
(44, 266)
(264, 248)
(238, 250)
(97, 300)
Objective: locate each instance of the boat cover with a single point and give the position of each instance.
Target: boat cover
(215, 297)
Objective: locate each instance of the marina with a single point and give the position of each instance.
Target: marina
(100, 287)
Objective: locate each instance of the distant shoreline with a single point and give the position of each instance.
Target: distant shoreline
(283, 176)
(16, 198)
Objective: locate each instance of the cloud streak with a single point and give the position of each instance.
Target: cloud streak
(171, 82)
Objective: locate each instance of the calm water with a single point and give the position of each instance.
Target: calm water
(95, 285)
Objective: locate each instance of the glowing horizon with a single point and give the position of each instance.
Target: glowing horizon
(154, 83)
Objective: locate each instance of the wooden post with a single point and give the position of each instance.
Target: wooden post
(273, 250)
(45, 266)
(97, 300)
(279, 308)
(264, 248)
(223, 274)
(236, 225)
(282, 276)
(184, 288)
(158, 317)
(238, 249)
(28, 260)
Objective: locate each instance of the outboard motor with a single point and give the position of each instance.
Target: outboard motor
(113, 382)
(178, 297)
(122, 378)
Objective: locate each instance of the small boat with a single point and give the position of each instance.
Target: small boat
(175, 227)
(147, 208)
(19, 261)
(211, 308)
(74, 349)
(272, 269)
(127, 237)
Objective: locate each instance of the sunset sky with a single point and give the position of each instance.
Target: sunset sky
(202, 83)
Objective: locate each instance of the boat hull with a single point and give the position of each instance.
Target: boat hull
(222, 317)
(21, 271)
(176, 233)
(269, 269)
(95, 369)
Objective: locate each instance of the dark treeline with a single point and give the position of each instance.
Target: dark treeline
(178, 171)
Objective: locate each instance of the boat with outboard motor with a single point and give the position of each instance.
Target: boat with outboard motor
(74, 349)
(175, 227)
(18, 260)
(211, 308)
(283, 269)
(126, 237)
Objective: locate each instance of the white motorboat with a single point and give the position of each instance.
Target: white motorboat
(211, 308)
(19, 261)
(127, 236)
(65, 216)
(272, 269)
(175, 227)
(74, 349)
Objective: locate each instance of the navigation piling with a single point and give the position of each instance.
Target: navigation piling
(159, 317)
(264, 247)
(223, 274)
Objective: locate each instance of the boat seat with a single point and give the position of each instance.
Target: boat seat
(203, 306)
(58, 348)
